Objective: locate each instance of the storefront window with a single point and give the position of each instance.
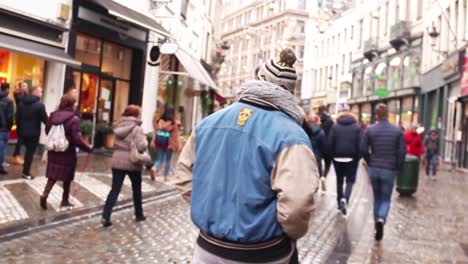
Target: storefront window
(368, 81)
(117, 61)
(394, 74)
(407, 112)
(122, 91)
(88, 95)
(366, 113)
(380, 76)
(88, 49)
(357, 83)
(394, 112)
(412, 70)
(16, 68)
(355, 109)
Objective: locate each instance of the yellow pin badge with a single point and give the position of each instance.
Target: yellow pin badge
(244, 116)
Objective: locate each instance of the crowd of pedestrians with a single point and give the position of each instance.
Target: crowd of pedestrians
(250, 171)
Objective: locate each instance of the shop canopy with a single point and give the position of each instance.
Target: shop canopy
(37, 49)
(194, 68)
(132, 16)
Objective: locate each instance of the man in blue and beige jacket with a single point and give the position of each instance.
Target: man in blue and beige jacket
(250, 175)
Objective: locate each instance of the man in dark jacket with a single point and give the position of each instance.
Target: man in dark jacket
(432, 148)
(319, 144)
(21, 91)
(29, 116)
(383, 147)
(6, 121)
(344, 140)
(326, 124)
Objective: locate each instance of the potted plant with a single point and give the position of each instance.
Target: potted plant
(107, 133)
(86, 128)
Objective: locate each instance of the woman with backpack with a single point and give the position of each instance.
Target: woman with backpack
(62, 144)
(129, 137)
(165, 141)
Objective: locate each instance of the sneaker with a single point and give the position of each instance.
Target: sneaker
(323, 184)
(3, 171)
(140, 218)
(106, 223)
(343, 206)
(66, 204)
(379, 229)
(17, 160)
(27, 177)
(43, 203)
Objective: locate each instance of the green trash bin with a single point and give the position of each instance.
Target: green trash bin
(407, 179)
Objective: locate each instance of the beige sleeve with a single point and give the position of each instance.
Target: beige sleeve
(184, 168)
(295, 178)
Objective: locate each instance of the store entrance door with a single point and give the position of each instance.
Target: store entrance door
(104, 102)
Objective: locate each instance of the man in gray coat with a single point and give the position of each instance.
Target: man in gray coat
(383, 147)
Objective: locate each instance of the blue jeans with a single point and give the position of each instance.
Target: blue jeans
(432, 161)
(163, 155)
(118, 177)
(382, 181)
(345, 170)
(3, 146)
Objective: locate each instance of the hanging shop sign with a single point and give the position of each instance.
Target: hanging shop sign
(345, 90)
(382, 92)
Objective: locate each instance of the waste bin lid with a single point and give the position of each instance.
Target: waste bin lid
(411, 158)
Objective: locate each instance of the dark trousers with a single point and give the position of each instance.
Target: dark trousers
(118, 177)
(328, 162)
(31, 146)
(66, 189)
(345, 171)
(18, 145)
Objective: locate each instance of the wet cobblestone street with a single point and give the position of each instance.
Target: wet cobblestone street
(431, 227)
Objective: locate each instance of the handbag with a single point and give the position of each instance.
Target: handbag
(136, 156)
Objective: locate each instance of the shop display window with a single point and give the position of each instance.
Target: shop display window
(88, 49)
(366, 113)
(407, 112)
(394, 74)
(412, 70)
(380, 76)
(122, 91)
(116, 61)
(357, 83)
(16, 68)
(89, 86)
(368, 80)
(394, 112)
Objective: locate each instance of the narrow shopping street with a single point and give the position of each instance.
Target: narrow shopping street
(427, 228)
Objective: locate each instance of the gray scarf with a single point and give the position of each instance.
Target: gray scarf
(269, 94)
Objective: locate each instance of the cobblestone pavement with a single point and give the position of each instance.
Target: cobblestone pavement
(429, 228)
(19, 198)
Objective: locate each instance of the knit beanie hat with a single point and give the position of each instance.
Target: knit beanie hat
(281, 72)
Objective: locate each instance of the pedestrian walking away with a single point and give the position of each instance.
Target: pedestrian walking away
(61, 164)
(166, 140)
(384, 148)
(432, 146)
(21, 91)
(6, 122)
(247, 171)
(30, 114)
(127, 133)
(326, 123)
(344, 141)
(319, 145)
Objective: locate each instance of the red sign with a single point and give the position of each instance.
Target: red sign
(464, 80)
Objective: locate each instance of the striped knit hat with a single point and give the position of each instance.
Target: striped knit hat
(281, 72)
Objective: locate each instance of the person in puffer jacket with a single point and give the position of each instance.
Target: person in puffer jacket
(250, 174)
(344, 141)
(319, 145)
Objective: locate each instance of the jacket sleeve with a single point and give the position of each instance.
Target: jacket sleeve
(331, 142)
(18, 117)
(322, 144)
(295, 179)
(76, 135)
(48, 126)
(358, 142)
(401, 150)
(43, 114)
(364, 148)
(10, 115)
(184, 168)
(141, 142)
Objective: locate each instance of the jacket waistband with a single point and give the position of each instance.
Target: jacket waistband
(272, 250)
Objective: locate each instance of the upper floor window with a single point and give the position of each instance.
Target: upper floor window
(301, 4)
(380, 76)
(412, 69)
(394, 73)
(301, 26)
(184, 9)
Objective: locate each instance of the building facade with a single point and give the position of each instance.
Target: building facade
(444, 92)
(257, 31)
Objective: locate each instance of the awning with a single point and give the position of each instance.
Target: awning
(221, 100)
(194, 68)
(37, 49)
(132, 16)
